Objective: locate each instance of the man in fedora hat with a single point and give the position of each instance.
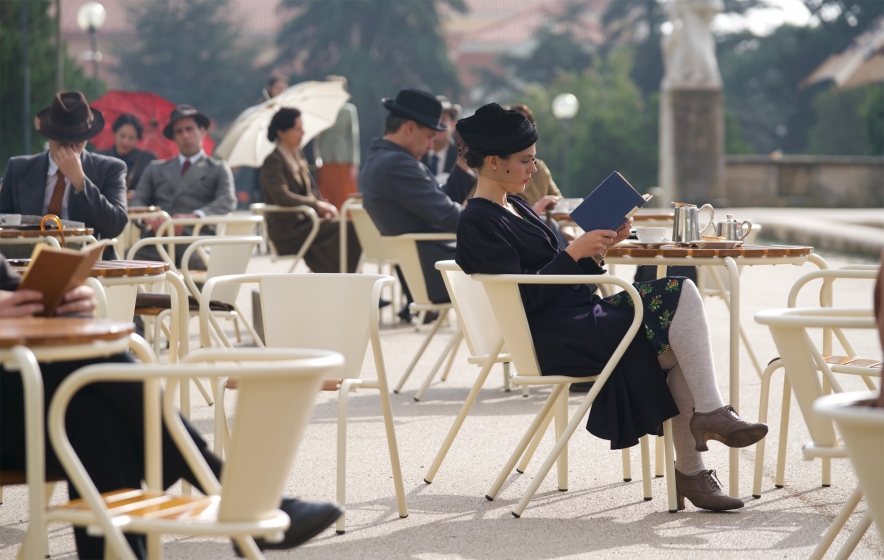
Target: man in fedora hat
(401, 195)
(442, 157)
(66, 180)
(190, 185)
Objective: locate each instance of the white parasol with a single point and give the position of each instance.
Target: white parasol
(246, 142)
(861, 63)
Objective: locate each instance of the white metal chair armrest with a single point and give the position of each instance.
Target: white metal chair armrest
(424, 236)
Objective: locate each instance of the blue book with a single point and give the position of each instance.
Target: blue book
(610, 205)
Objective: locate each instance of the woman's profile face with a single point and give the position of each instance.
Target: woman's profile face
(125, 139)
(293, 136)
(515, 172)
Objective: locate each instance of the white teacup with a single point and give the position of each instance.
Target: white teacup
(10, 219)
(650, 234)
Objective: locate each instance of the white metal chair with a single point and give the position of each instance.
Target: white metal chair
(409, 262)
(849, 364)
(264, 209)
(229, 255)
(506, 302)
(862, 428)
(274, 406)
(331, 311)
(485, 342)
(802, 361)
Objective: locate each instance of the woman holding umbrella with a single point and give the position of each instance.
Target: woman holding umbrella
(128, 131)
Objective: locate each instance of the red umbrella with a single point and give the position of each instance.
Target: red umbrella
(152, 110)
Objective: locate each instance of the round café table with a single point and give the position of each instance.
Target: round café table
(18, 236)
(27, 342)
(730, 259)
(131, 232)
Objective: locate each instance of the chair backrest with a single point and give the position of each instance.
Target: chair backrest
(328, 311)
(374, 247)
(228, 255)
(238, 226)
(506, 303)
(474, 313)
(410, 263)
(802, 360)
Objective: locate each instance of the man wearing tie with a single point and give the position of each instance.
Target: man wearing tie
(188, 186)
(66, 180)
(442, 157)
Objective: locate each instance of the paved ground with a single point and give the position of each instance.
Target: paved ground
(599, 516)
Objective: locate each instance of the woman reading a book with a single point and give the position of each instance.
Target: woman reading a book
(667, 370)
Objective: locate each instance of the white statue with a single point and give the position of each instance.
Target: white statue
(689, 50)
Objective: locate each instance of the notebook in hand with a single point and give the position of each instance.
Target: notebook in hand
(609, 205)
(56, 271)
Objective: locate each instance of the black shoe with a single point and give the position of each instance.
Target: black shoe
(581, 387)
(405, 315)
(308, 520)
(430, 317)
(383, 303)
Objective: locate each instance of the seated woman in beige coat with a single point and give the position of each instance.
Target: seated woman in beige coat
(286, 181)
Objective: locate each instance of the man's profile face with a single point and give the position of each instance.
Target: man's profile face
(442, 136)
(420, 139)
(189, 136)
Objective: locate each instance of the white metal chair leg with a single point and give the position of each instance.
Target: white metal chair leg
(670, 466)
(506, 379)
(659, 465)
(451, 357)
(220, 418)
(762, 417)
(461, 416)
(644, 442)
(837, 524)
(236, 330)
(784, 433)
(561, 414)
(532, 447)
(343, 393)
(206, 396)
(248, 547)
(855, 536)
(627, 465)
(450, 349)
(420, 351)
(523, 444)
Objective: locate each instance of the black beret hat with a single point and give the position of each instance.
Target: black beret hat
(495, 131)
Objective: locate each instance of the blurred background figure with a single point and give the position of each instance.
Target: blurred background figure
(441, 158)
(128, 130)
(275, 85)
(336, 153)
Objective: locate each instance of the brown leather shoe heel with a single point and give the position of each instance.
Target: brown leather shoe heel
(726, 426)
(704, 491)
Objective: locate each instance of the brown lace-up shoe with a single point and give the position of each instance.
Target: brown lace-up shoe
(726, 426)
(704, 491)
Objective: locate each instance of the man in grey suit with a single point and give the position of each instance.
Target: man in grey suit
(66, 180)
(401, 195)
(188, 186)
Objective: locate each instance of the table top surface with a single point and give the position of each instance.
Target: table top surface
(749, 251)
(15, 232)
(109, 269)
(60, 331)
(558, 214)
(134, 210)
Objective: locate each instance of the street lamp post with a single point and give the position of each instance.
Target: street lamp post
(564, 108)
(90, 17)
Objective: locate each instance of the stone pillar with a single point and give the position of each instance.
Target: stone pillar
(691, 107)
(692, 146)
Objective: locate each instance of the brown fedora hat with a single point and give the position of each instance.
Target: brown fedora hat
(183, 112)
(69, 118)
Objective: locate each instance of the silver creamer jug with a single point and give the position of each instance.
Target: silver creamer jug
(686, 222)
(731, 229)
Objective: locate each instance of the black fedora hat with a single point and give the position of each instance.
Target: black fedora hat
(69, 118)
(420, 106)
(183, 112)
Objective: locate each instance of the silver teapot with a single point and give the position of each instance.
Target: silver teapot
(686, 222)
(731, 229)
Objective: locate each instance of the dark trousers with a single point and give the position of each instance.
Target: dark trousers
(105, 424)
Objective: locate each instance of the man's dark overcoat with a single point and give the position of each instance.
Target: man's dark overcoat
(402, 196)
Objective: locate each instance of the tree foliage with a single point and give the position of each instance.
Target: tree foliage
(378, 45)
(614, 130)
(190, 51)
(43, 69)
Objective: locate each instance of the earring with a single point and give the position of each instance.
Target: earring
(495, 168)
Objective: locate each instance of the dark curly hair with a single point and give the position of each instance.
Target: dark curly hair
(127, 118)
(284, 119)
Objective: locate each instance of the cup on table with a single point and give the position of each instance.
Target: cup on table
(10, 219)
(650, 234)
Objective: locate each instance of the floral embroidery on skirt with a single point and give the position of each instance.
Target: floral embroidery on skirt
(659, 301)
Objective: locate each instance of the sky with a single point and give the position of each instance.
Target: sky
(764, 20)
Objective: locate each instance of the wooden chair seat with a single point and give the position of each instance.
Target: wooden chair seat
(147, 504)
(11, 477)
(153, 304)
